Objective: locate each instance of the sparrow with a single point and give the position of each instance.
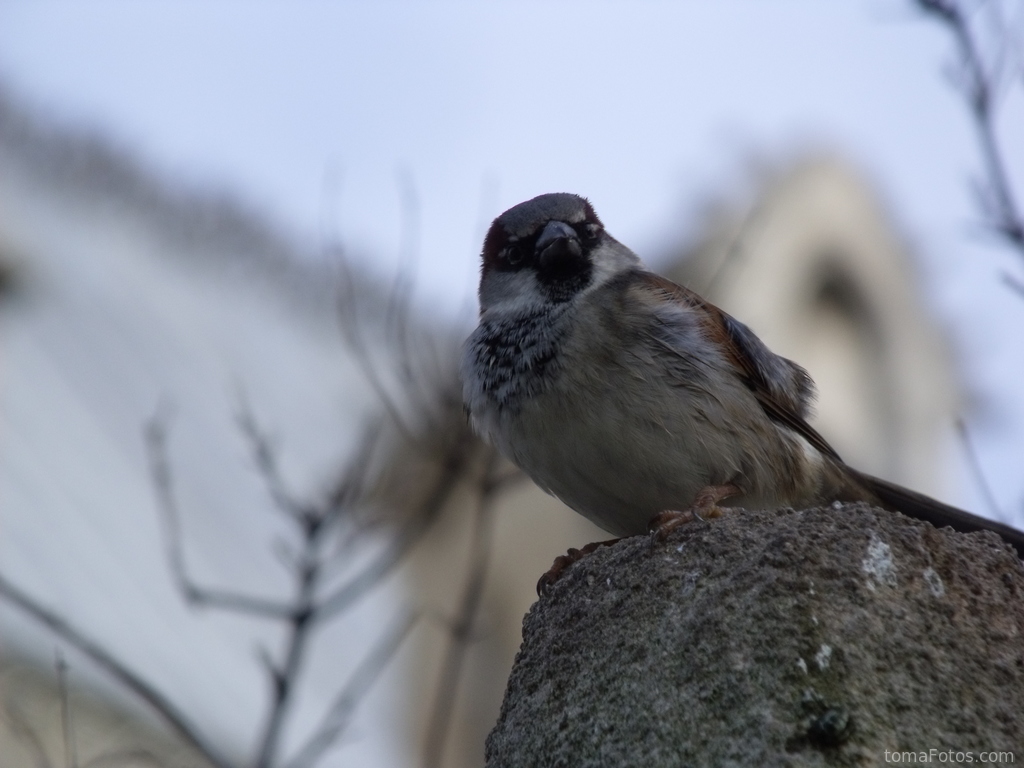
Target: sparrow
(635, 401)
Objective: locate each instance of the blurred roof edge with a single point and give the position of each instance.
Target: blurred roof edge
(208, 227)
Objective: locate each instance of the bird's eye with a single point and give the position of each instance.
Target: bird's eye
(591, 232)
(513, 253)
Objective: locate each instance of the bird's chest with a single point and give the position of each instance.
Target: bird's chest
(515, 358)
(552, 387)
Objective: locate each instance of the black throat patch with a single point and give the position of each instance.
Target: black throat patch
(562, 282)
(517, 356)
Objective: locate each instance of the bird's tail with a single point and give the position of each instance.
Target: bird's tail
(922, 507)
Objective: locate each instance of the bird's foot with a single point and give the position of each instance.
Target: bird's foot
(705, 506)
(562, 562)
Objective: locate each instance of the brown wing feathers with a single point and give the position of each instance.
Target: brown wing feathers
(782, 388)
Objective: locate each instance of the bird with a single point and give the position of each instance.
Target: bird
(635, 401)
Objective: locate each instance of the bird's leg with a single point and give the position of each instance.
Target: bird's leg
(704, 506)
(562, 562)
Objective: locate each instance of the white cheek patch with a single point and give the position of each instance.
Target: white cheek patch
(609, 260)
(520, 291)
(511, 292)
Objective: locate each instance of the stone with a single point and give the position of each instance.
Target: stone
(773, 638)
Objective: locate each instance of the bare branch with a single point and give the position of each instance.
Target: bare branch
(330, 198)
(231, 601)
(302, 613)
(67, 729)
(266, 661)
(26, 734)
(462, 626)
(348, 316)
(135, 683)
(284, 677)
(347, 495)
(359, 684)
(404, 540)
(499, 482)
(976, 470)
(1013, 283)
(352, 487)
(397, 333)
(163, 482)
(998, 200)
(396, 325)
(129, 757)
(264, 455)
(285, 554)
(739, 244)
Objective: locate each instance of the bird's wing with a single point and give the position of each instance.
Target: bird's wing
(782, 388)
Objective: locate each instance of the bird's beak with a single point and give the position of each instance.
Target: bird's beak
(556, 243)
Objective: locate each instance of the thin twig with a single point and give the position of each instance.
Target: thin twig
(349, 494)
(232, 601)
(129, 757)
(304, 616)
(283, 682)
(738, 245)
(979, 474)
(509, 478)
(26, 734)
(352, 332)
(396, 325)
(135, 683)
(461, 629)
(163, 482)
(265, 457)
(330, 198)
(67, 728)
(1013, 283)
(284, 678)
(351, 489)
(998, 199)
(397, 330)
(348, 699)
(408, 535)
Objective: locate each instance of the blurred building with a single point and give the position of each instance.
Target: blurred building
(819, 271)
(123, 295)
(127, 297)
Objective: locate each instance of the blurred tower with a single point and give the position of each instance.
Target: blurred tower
(819, 272)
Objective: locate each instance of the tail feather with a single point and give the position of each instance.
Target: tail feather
(925, 508)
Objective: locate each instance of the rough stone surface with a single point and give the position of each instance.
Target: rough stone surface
(775, 638)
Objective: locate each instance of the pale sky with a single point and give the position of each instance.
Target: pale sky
(313, 111)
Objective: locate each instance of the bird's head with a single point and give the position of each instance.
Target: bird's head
(548, 250)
